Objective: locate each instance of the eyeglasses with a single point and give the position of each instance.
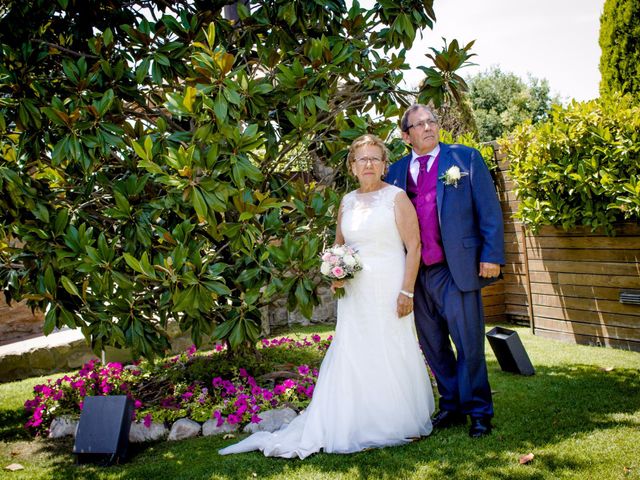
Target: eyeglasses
(423, 123)
(364, 160)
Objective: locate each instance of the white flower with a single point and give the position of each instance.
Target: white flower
(325, 268)
(349, 260)
(339, 251)
(453, 176)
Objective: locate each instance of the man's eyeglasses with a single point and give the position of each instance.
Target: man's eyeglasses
(365, 160)
(422, 123)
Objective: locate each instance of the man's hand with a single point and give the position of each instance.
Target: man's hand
(489, 270)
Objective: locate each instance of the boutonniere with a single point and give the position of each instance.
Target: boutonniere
(452, 176)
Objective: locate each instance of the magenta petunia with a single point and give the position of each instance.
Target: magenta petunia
(255, 419)
(147, 420)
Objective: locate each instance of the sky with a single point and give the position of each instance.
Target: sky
(555, 40)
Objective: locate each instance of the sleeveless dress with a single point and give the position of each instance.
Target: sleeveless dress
(373, 389)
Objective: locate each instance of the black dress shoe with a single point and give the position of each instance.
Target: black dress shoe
(480, 427)
(447, 418)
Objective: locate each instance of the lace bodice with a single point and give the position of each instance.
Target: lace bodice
(369, 223)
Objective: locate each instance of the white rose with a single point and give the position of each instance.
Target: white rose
(349, 260)
(325, 268)
(453, 174)
(339, 251)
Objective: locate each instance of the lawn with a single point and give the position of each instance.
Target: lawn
(579, 415)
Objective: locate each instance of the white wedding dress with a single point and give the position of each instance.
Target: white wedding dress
(373, 388)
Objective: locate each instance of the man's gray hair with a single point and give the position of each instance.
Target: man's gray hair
(404, 123)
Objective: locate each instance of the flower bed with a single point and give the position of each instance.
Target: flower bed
(195, 385)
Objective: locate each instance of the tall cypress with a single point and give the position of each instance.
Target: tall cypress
(620, 44)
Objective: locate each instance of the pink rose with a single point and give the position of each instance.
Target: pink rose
(337, 272)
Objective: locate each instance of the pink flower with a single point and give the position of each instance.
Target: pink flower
(232, 419)
(337, 272)
(288, 383)
(147, 420)
(137, 404)
(255, 418)
(303, 369)
(333, 259)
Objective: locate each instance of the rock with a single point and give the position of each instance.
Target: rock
(210, 427)
(42, 360)
(272, 420)
(184, 428)
(139, 433)
(63, 427)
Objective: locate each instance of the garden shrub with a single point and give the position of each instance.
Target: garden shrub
(620, 44)
(579, 168)
(196, 385)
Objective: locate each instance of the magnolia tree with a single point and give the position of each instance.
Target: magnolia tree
(162, 162)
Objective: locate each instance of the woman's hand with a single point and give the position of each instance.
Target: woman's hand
(335, 284)
(404, 305)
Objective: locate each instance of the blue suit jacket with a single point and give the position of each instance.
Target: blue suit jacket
(470, 214)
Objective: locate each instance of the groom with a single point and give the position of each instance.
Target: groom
(462, 234)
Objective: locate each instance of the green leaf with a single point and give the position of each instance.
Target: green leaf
(133, 263)
(50, 320)
(50, 280)
(69, 286)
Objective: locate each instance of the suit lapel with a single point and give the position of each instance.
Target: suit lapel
(401, 181)
(444, 162)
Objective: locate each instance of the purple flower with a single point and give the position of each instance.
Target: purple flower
(288, 383)
(303, 369)
(147, 420)
(187, 395)
(217, 382)
(137, 404)
(255, 418)
(243, 373)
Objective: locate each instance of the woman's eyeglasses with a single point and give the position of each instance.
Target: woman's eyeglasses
(365, 160)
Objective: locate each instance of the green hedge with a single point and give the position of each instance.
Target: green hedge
(580, 167)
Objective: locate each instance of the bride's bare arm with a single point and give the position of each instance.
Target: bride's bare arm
(339, 240)
(407, 222)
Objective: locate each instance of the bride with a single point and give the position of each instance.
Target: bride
(373, 388)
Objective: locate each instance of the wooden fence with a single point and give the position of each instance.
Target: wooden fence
(567, 285)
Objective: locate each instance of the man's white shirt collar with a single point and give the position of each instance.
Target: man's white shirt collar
(414, 166)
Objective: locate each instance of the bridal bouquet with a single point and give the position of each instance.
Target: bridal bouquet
(340, 262)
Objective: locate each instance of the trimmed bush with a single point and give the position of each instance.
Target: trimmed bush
(580, 167)
(620, 44)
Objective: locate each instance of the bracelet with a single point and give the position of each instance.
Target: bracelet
(406, 294)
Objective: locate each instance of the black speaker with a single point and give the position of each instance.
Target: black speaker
(509, 351)
(103, 430)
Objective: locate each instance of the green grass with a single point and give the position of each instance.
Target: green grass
(579, 415)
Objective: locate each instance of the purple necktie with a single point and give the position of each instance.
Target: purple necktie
(422, 173)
